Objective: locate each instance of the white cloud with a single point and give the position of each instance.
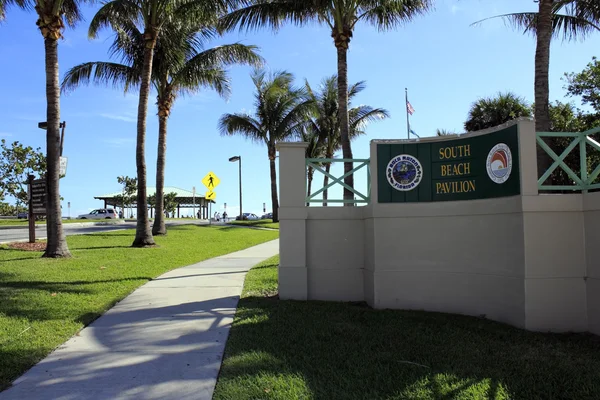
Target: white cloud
(454, 9)
(28, 118)
(126, 117)
(119, 142)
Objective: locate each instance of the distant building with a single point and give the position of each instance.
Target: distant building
(184, 199)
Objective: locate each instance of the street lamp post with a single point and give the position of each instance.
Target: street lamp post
(62, 125)
(234, 159)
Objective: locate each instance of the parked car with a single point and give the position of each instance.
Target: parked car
(247, 217)
(267, 216)
(101, 213)
(22, 215)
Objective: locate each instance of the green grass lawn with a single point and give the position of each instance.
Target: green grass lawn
(43, 302)
(325, 350)
(262, 223)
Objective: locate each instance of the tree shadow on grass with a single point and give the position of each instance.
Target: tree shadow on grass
(131, 235)
(102, 247)
(35, 301)
(352, 352)
(171, 351)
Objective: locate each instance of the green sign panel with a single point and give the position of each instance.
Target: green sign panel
(477, 167)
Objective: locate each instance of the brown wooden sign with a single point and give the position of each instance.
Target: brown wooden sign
(38, 196)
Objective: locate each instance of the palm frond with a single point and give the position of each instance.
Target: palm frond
(206, 68)
(71, 12)
(100, 73)
(192, 81)
(242, 124)
(389, 14)
(361, 116)
(355, 89)
(270, 13)
(115, 13)
(566, 26)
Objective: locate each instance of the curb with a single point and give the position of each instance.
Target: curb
(75, 224)
(252, 227)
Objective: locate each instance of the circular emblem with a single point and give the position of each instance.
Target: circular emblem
(499, 163)
(404, 172)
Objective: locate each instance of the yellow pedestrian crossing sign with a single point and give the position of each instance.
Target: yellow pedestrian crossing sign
(210, 195)
(211, 181)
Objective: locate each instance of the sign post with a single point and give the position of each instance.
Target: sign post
(194, 201)
(211, 182)
(69, 206)
(30, 216)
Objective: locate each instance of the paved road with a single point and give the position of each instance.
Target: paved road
(12, 235)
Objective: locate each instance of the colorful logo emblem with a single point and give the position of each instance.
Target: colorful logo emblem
(404, 172)
(499, 163)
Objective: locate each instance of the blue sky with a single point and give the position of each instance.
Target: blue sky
(444, 62)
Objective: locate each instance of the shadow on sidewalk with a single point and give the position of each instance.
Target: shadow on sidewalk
(167, 351)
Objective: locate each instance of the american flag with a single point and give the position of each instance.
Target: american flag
(409, 108)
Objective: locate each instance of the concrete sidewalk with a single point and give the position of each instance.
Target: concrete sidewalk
(164, 341)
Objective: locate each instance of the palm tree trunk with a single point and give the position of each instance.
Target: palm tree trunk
(57, 244)
(542, 87)
(143, 233)
(310, 175)
(325, 183)
(159, 227)
(342, 52)
(274, 199)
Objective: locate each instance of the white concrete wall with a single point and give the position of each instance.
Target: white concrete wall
(591, 206)
(555, 265)
(451, 259)
(335, 260)
(532, 260)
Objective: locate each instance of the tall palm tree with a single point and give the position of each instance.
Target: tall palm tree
(150, 16)
(341, 16)
(52, 16)
(570, 19)
(315, 149)
(325, 122)
(488, 112)
(281, 111)
(182, 65)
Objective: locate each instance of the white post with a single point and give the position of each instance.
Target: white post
(293, 278)
(194, 202)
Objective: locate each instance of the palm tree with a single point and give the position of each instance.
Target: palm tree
(325, 122)
(151, 16)
(493, 111)
(181, 66)
(281, 111)
(570, 19)
(52, 16)
(444, 132)
(341, 16)
(315, 149)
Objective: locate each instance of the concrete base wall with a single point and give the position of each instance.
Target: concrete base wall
(335, 262)
(532, 260)
(591, 206)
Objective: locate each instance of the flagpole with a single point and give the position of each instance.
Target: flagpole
(407, 115)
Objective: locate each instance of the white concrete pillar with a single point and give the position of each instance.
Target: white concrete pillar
(528, 157)
(293, 279)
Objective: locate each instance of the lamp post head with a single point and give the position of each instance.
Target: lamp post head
(235, 158)
(44, 125)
